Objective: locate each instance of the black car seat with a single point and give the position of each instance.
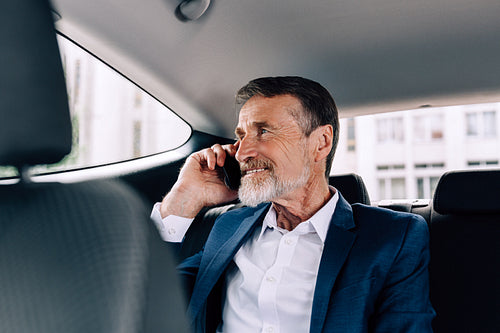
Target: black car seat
(79, 257)
(350, 185)
(465, 252)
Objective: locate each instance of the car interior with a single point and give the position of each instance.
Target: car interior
(79, 252)
(78, 257)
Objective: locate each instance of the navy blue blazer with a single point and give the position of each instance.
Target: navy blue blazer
(372, 276)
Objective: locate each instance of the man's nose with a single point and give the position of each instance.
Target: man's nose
(246, 149)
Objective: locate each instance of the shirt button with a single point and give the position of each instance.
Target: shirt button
(171, 231)
(270, 329)
(288, 241)
(270, 279)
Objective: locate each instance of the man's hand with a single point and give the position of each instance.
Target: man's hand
(200, 183)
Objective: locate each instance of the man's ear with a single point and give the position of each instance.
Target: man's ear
(324, 139)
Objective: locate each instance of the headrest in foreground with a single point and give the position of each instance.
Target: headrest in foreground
(35, 124)
(468, 192)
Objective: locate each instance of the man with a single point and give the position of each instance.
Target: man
(298, 258)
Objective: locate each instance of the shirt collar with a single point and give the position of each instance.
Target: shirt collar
(320, 221)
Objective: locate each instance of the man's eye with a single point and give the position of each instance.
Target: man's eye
(263, 131)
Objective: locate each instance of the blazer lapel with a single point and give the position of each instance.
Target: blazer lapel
(338, 243)
(219, 251)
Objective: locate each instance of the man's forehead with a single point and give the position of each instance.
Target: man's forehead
(268, 108)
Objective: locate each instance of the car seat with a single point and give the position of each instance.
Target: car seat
(465, 253)
(79, 257)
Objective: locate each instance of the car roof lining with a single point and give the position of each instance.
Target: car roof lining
(383, 55)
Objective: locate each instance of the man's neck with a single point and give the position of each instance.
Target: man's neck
(300, 206)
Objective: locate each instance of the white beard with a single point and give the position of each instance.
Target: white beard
(255, 191)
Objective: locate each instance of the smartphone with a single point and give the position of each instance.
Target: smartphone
(232, 173)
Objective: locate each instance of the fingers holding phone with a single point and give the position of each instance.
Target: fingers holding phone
(201, 182)
(224, 158)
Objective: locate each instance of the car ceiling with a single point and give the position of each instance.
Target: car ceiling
(373, 55)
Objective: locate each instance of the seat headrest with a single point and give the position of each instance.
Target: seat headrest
(468, 192)
(352, 188)
(35, 123)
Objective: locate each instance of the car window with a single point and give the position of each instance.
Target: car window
(402, 154)
(113, 119)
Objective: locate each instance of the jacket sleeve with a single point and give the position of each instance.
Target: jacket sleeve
(188, 269)
(404, 304)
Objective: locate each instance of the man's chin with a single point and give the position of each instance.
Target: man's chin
(252, 194)
(254, 191)
(251, 199)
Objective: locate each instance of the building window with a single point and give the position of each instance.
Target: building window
(490, 122)
(137, 133)
(398, 188)
(429, 165)
(481, 124)
(382, 188)
(390, 167)
(390, 130)
(351, 135)
(482, 163)
(426, 186)
(428, 128)
(392, 188)
(420, 188)
(436, 127)
(138, 99)
(472, 126)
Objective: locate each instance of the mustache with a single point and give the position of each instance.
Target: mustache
(256, 164)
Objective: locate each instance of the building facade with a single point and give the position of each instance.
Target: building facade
(402, 154)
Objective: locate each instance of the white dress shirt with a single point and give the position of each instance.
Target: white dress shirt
(271, 286)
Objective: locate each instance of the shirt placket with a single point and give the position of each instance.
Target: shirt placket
(268, 291)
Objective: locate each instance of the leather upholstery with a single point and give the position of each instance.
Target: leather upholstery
(465, 255)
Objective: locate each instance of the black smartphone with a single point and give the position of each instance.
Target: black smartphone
(232, 173)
